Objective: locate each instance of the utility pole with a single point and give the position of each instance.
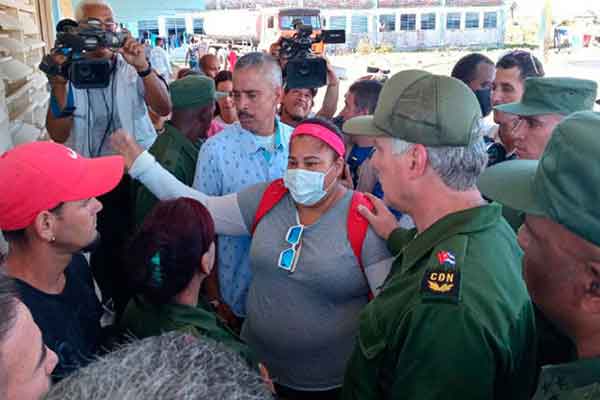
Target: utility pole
(546, 32)
(442, 22)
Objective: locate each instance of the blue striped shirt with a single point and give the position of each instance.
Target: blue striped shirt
(228, 162)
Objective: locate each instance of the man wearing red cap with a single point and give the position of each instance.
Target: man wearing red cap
(48, 216)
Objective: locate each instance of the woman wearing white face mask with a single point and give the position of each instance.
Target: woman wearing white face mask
(308, 286)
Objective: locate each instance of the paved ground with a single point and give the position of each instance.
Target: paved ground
(584, 63)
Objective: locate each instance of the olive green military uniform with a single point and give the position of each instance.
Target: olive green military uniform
(454, 320)
(561, 187)
(579, 380)
(177, 154)
(554, 347)
(172, 149)
(514, 217)
(544, 96)
(143, 319)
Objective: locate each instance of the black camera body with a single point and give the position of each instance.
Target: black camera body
(496, 152)
(304, 69)
(73, 41)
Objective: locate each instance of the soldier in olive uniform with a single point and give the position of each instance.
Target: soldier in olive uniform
(546, 102)
(561, 237)
(454, 319)
(177, 148)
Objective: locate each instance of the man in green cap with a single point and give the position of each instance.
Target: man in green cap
(561, 239)
(454, 319)
(177, 148)
(545, 102)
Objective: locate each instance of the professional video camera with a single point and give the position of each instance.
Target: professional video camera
(73, 40)
(304, 69)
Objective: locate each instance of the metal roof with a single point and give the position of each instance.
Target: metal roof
(349, 4)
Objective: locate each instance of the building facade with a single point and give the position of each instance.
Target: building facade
(401, 24)
(414, 27)
(395, 24)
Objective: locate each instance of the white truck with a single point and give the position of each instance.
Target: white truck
(249, 30)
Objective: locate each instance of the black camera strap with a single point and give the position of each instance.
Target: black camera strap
(110, 111)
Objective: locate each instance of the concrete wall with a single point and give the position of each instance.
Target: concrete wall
(424, 38)
(131, 11)
(128, 11)
(467, 36)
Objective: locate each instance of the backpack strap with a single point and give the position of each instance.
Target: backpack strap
(356, 223)
(272, 195)
(357, 229)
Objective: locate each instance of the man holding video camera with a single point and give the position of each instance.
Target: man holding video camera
(304, 72)
(84, 118)
(101, 81)
(297, 103)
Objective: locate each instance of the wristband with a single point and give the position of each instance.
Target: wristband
(69, 109)
(146, 72)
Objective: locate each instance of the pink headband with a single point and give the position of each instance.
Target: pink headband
(321, 133)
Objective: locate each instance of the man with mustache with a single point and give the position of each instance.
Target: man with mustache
(253, 151)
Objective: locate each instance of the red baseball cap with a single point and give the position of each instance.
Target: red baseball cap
(39, 176)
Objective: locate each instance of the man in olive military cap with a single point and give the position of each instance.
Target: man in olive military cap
(453, 319)
(177, 148)
(561, 239)
(545, 102)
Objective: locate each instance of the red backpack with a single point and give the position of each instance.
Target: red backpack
(356, 223)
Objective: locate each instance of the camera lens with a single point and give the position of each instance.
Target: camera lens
(84, 71)
(304, 68)
(90, 43)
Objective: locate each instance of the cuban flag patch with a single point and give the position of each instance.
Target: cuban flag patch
(446, 258)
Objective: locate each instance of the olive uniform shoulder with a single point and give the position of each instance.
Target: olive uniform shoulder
(441, 280)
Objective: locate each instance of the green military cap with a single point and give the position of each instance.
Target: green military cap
(419, 107)
(192, 91)
(563, 185)
(553, 96)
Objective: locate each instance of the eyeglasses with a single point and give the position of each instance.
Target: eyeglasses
(516, 123)
(288, 258)
(109, 25)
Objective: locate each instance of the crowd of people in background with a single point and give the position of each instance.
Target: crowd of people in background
(216, 234)
(198, 57)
